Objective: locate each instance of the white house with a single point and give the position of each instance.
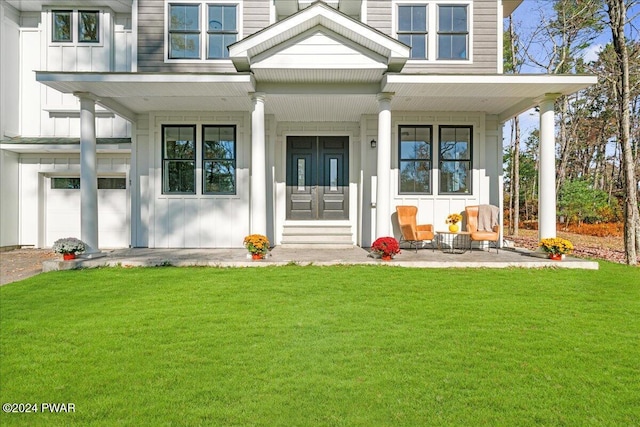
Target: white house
(192, 123)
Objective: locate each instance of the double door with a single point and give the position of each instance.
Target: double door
(317, 177)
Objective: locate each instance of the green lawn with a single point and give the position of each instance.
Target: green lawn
(345, 346)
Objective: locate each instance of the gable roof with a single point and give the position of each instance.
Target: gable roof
(319, 16)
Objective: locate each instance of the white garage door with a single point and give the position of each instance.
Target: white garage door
(62, 212)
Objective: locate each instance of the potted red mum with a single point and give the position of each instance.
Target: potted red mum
(386, 247)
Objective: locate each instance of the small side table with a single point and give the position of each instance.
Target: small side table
(454, 243)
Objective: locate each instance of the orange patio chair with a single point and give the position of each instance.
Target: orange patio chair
(490, 233)
(413, 233)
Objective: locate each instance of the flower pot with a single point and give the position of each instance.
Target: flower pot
(257, 256)
(555, 257)
(454, 228)
(68, 257)
(385, 257)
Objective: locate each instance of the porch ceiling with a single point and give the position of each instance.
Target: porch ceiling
(130, 94)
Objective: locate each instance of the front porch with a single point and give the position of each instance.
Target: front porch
(279, 256)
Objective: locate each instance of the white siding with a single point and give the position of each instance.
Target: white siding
(433, 208)
(45, 112)
(9, 72)
(9, 198)
(33, 173)
(319, 50)
(199, 221)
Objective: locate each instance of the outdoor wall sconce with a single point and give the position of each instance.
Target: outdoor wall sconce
(374, 143)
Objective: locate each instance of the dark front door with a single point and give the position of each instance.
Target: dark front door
(317, 177)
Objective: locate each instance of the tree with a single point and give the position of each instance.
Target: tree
(512, 65)
(617, 12)
(557, 46)
(578, 201)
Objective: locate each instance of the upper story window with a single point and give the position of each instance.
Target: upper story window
(202, 30)
(435, 30)
(82, 26)
(453, 32)
(222, 31)
(412, 29)
(184, 31)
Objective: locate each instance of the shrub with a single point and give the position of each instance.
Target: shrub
(386, 246)
(69, 245)
(256, 243)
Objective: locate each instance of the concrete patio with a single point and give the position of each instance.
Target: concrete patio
(424, 258)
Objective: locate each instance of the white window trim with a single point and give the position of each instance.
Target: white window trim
(203, 30)
(432, 28)
(74, 26)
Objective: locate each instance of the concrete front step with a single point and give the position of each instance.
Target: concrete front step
(318, 235)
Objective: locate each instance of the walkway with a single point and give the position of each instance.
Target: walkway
(424, 258)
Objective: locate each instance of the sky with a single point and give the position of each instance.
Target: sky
(526, 18)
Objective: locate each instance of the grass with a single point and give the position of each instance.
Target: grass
(338, 346)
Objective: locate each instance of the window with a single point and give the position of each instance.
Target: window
(112, 184)
(219, 159)
(222, 30)
(65, 183)
(61, 26)
(74, 183)
(412, 29)
(415, 159)
(455, 159)
(86, 23)
(184, 31)
(453, 32)
(178, 159)
(436, 30)
(186, 22)
(88, 27)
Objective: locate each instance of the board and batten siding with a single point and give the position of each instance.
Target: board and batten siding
(197, 220)
(151, 37)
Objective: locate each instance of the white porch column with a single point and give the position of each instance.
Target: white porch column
(547, 172)
(88, 173)
(383, 171)
(258, 167)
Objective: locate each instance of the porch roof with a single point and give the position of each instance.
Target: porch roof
(130, 94)
(62, 145)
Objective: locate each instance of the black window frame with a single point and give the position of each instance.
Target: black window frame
(428, 160)
(232, 160)
(451, 33)
(468, 160)
(75, 25)
(54, 14)
(80, 24)
(167, 160)
(403, 34)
